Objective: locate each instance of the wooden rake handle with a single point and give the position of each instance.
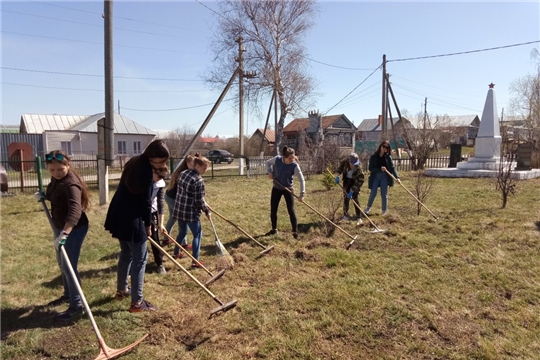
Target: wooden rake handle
(236, 226)
(357, 206)
(188, 254)
(184, 270)
(415, 198)
(317, 212)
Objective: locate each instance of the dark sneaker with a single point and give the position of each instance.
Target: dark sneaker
(61, 300)
(271, 232)
(295, 235)
(178, 256)
(197, 265)
(142, 306)
(186, 246)
(121, 295)
(166, 242)
(69, 315)
(161, 269)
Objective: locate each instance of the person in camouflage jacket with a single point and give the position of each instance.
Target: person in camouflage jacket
(353, 179)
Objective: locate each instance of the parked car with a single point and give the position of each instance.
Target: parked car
(219, 156)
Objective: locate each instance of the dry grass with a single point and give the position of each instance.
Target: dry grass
(465, 286)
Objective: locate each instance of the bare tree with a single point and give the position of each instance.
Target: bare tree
(431, 132)
(525, 102)
(422, 187)
(273, 34)
(177, 140)
(505, 183)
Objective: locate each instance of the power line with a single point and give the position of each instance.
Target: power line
(350, 92)
(101, 90)
(92, 42)
(177, 109)
(465, 52)
(335, 66)
(93, 75)
(115, 17)
(99, 25)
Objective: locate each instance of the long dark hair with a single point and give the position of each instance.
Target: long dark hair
(53, 158)
(385, 143)
(131, 177)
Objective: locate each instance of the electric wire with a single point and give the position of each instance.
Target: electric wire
(101, 90)
(176, 109)
(99, 25)
(465, 52)
(93, 42)
(95, 75)
(350, 92)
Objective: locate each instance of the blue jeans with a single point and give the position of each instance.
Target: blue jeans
(132, 261)
(380, 180)
(196, 230)
(170, 204)
(73, 249)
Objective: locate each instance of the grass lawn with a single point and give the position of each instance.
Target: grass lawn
(466, 286)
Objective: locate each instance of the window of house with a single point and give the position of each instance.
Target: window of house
(66, 147)
(122, 149)
(136, 147)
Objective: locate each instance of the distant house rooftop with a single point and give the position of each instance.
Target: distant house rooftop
(37, 124)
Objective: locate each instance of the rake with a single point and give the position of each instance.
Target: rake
(265, 250)
(376, 229)
(222, 306)
(213, 277)
(321, 215)
(105, 352)
(415, 198)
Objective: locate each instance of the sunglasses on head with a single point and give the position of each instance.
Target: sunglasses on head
(51, 156)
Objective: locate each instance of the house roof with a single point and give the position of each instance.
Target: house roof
(270, 135)
(209, 140)
(373, 124)
(462, 120)
(36, 124)
(303, 123)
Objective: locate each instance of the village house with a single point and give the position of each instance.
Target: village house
(77, 134)
(333, 128)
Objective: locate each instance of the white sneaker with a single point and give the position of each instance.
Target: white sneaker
(384, 213)
(161, 269)
(345, 218)
(367, 210)
(359, 222)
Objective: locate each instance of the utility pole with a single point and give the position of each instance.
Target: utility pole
(241, 76)
(384, 99)
(106, 126)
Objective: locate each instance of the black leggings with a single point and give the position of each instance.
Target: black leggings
(158, 255)
(274, 203)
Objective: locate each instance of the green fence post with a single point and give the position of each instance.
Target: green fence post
(39, 173)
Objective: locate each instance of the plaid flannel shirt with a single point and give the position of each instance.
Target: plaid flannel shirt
(189, 201)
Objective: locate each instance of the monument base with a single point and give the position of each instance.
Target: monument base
(479, 173)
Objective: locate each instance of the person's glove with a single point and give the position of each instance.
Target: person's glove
(59, 241)
(337, 179)
(350, 194)
(39, 196)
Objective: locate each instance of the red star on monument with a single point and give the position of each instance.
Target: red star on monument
(491, 86)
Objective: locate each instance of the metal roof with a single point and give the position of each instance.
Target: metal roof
(270, 134)
(303, 123)
(37, 124)
(373, 124)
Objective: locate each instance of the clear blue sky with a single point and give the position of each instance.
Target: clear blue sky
(170, 40)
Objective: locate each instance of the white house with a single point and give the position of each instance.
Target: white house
(77, 134)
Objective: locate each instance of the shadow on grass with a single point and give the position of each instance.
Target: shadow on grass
(86, 274)
(42, 317)
(40, 210)
(32, 317)
(537, 225)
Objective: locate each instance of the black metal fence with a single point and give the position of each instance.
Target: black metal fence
(27, 179)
